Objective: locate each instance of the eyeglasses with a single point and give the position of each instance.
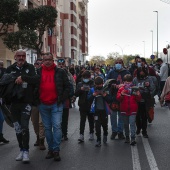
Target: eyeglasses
(118, 63)
(61, 61)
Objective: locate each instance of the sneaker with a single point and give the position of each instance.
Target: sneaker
(104, 139)
(145, 135)
(49, 155)
(20, 156)
(81, 138)
(98, 144)
(25, 158)
(56, 156)
(133, 142)
(127, 139)
(121, 136)
(113, 135)
(91, 137)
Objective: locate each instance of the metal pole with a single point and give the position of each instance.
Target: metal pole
(144, 48)
(157, 32)
(152, 41)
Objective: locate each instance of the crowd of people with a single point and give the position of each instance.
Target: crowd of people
(46, 91)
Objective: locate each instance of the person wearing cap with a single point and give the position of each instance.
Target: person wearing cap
(21, 101)
(82, 90)
(67, 103)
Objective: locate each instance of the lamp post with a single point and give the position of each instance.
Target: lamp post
(152, 41)
(144, 47)
(121, 48)
(157, 32)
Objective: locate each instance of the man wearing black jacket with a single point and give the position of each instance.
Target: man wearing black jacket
(21, 101)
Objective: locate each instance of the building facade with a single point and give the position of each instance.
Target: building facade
(69, 39)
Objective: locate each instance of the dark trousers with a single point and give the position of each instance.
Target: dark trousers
(141, 118)
(101, 120)
(162, 83)
(83, 116)
(21, 115)
(64, 123)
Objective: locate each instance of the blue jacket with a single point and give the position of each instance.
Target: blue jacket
(117, 75)
(91, 98)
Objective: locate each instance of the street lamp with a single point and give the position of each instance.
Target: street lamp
(144, 47)
(152, 41)
(157, 32)
(121, 48)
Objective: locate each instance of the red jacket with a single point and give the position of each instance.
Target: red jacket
(128, 104)
(48, 91)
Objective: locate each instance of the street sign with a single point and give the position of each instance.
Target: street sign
(152, 57)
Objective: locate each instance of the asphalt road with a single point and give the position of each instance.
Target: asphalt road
(149, 154)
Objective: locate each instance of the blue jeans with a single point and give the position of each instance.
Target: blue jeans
(1, 120)
(130, 120)
(116, 121)
(52, 117)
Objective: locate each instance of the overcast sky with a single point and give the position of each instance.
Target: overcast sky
(127, 23)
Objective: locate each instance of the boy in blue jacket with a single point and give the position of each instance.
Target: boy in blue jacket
(99, 99)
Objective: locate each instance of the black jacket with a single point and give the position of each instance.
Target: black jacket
(27, 73)
(2, 71)
(83, 103)
(61, 81)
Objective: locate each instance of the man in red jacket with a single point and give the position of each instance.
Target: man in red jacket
(54, 89)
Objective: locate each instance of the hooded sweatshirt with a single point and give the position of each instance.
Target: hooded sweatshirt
(48, 92)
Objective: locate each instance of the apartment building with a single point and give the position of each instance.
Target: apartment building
(74, 30)
(69, 39)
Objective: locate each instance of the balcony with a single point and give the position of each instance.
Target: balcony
(83, 3)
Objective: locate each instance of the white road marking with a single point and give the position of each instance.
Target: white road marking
(135, 158)
(149, 154)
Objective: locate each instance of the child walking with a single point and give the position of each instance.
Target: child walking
(98, 97)
(82, 90)
(128, 95)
